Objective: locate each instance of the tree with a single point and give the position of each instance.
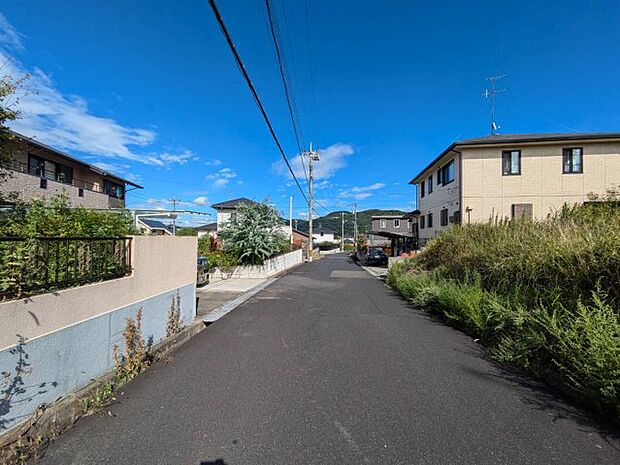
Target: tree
(187, 232)
(253, 233)
(9, 111)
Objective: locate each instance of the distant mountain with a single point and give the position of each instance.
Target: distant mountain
(333, 221)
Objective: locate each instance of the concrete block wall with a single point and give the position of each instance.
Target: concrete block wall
(53, 344)
(270, 268)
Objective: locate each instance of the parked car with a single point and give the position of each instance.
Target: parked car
(376, 256)
(202, 275)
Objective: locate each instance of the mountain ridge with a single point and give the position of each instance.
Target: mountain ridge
(333, 221)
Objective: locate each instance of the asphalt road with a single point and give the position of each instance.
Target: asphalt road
(328, 366)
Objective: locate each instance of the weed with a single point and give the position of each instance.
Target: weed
(174, 324)
(135, 359)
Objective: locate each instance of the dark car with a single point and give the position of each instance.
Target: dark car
(202, 275)
(376, 256)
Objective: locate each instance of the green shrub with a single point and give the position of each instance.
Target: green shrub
(542, 295)
(584, 344)
(253, 234)
(57, 218)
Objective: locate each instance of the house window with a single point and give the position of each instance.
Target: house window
(443, 218)
(446, 174)
(511, 162)
(382, 224)
(522, 210)
(572, 160)
(64, 174)
(397, 223)
(113, 190)
(422, 189)
(80, 192)
(422, 222)
(43, 183)
(40, 167)
(430, 184)
(430, 220)
(409, 224)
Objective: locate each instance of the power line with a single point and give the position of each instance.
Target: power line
(248, 81)
(310, 61)
(285, 81)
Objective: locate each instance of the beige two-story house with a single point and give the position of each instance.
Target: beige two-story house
(517, 175)
(38, 171)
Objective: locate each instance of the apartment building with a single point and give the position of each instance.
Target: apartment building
(518, 175)
(39, 171)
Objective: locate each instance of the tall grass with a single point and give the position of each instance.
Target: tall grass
(566, 257)
(543, 295)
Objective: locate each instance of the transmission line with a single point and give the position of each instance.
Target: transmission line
(285, 81)
(248, 81)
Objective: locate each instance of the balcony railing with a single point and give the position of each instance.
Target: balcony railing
(37, 265)
(41, 173)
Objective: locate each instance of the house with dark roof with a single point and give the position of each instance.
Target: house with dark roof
(206, 229)
(512, 176)
(398, 231)
(226, 209)
(40, 171)
(154, 227)
(322, 234)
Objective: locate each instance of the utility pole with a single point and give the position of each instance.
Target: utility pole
(490, 94)
(174, 220)
(290, 218)
(342, 232)
(312, 157)
(355, 223)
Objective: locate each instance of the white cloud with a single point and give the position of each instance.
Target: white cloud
(215, 162)
(361, 192)
(65, 122)
(201, 201)
(331, 160)
(221, 177)
(9, 36)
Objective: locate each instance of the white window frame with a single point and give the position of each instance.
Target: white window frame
(396, 223)
(382, 224)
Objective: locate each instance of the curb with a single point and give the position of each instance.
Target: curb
(222, 310)
(372, 273)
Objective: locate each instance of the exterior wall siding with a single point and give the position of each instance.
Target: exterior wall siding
(447, 196)
(488, 194)
(28, 187)
(404, 228)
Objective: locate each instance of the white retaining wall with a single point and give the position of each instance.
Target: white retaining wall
(270, 268)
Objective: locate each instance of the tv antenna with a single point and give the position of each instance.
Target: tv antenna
(489, 93)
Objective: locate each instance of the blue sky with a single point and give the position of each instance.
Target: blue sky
(149, 90)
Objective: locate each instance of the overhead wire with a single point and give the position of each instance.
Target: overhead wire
(241, 66)
(294, 116)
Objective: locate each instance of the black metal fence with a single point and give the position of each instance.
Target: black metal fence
(37, 265)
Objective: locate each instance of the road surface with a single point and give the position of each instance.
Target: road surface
(328, 366)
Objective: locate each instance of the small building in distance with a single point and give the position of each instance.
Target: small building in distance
(322, 234)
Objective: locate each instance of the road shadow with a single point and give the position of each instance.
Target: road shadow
(214, 462)
(532, 391)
